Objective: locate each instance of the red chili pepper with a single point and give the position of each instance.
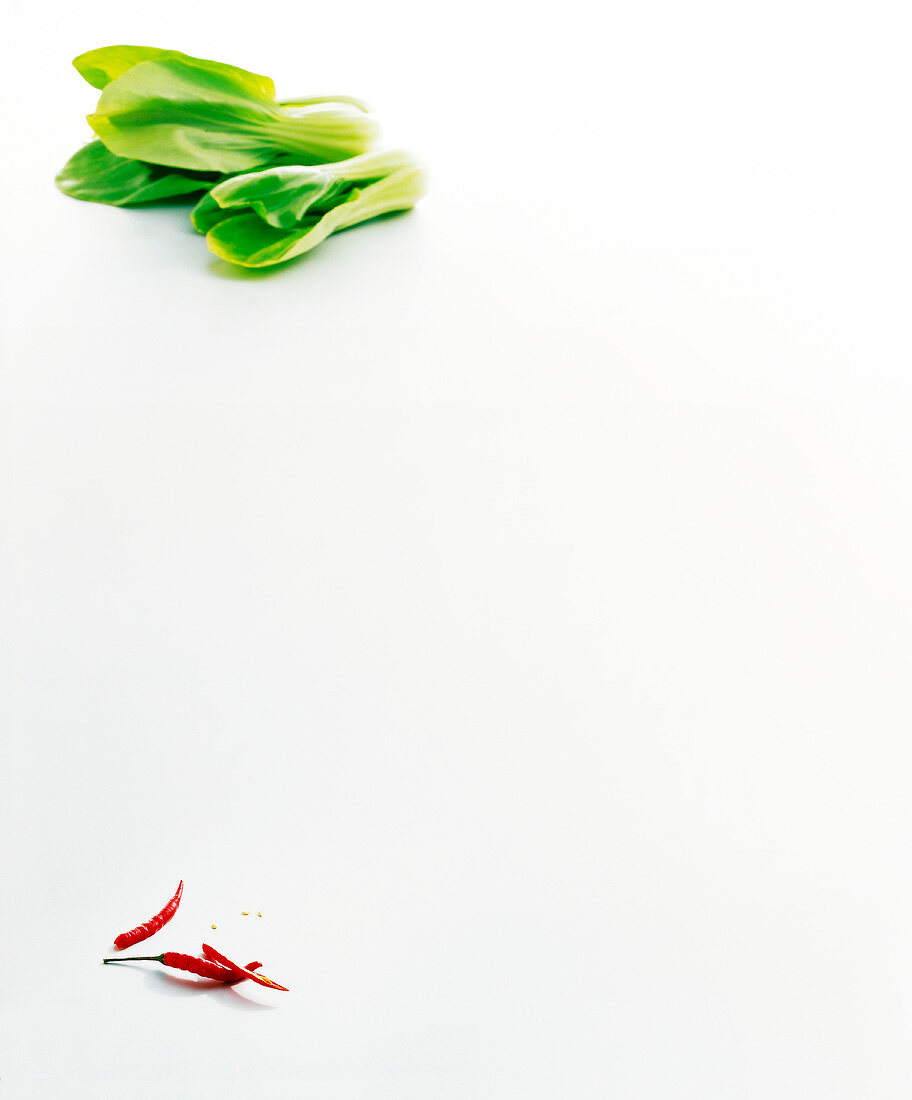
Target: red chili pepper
(144, 931)
(204, 967)
(240, 971)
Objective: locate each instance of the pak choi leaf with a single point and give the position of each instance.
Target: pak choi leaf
(96, 174)
(100, 67)
(261, 218)
(207, 117)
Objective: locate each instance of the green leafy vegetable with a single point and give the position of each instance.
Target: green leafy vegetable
(100, 67)
(98, 175)
(277, 177)
(208, 117)
(261, 218)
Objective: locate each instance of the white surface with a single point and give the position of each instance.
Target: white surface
(510, 600)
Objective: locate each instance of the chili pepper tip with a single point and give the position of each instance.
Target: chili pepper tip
(150, 927)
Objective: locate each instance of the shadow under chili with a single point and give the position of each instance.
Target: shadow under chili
(219, 991)
(169, 986)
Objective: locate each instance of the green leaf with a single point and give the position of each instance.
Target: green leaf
(100, 67)
(203, 116)
(95, 174)
(208, 213)
(259, 233)
(280, 196)
(248, 241)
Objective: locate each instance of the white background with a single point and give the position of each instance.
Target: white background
(510, 600)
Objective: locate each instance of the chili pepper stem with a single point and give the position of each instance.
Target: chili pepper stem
(138, 959)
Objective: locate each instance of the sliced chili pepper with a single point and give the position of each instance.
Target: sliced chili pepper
(234, 979)
(205, 968)
(144, 931)
(260, 979)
